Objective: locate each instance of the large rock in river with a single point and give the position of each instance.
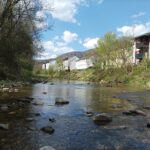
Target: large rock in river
(61, 101)
(102, 119)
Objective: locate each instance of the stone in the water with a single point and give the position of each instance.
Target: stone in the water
(12, 113)
(116, 127)
(146, 107)
(4, 108)
(37, 114)
(134, 112)
(89, 114)
(4, 126)
(52, 119)
(38, 103)
(47, 148)
(44, 92)
(102, 119)
(30, 119)
(148, 125)
(61, 101)
(30, 98)
(48, 129)
(24, 100)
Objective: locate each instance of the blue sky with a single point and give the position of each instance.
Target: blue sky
(78, 24)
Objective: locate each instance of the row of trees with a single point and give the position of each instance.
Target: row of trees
(18, 37)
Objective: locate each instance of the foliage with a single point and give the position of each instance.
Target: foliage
(113, 56)
(18, 34)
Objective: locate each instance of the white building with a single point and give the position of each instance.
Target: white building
(72, 63)
(84, 64)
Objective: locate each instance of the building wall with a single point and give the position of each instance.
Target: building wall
(47, 65)
(83, 64)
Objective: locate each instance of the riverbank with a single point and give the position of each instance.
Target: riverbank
(137, 77)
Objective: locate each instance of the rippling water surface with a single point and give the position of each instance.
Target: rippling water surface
(73, 129)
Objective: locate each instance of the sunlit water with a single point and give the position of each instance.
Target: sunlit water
(73, 129)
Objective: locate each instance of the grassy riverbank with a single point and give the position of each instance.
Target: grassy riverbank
(137, 76)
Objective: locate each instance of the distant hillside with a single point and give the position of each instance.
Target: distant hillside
(78, 54)
(82, 54)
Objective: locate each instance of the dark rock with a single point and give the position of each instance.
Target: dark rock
(61, 101)
(148, 125)
(114, 96)
(24, 100)
(52, 119)
(4, 126)
(37, 114)
(89, 114)
(44, 92)
(48, 129)
(134, 112)
(102, 119)
(30, 98)
(30, 119)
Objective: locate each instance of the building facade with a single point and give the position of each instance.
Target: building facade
(141, 48)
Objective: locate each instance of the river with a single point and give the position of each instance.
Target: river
(74, 130)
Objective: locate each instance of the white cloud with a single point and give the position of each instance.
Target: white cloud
(59, 45)
(134, 30)
(90, 43)
(69, 37)
(100, 1)
(140, 14)
(65, 10)
(52, 49)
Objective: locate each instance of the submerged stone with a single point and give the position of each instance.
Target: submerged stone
(47, 148)
(38, 103)
(134, 112)
(30, 119)
(4, 108)
(48, 129)
(102, 119)
(148, 125)
(52, 119)
(89, 114)
(116, 127)
(61, 101)
(146, 107)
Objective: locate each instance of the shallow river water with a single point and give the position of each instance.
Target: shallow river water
(74, 130)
